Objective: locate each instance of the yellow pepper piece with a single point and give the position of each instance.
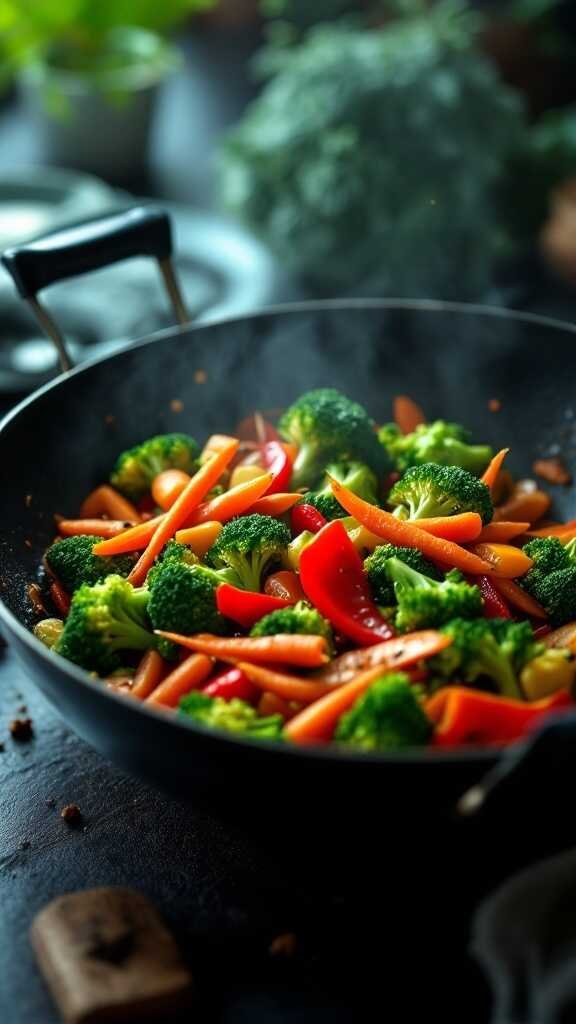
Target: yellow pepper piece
(200, 537)
(549, 672)
(242, 474)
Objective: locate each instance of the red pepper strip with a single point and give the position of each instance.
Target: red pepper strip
(463, 716)
(245, 606)
(334, 580)
(275, 459)
(285, 584)
(60, 597)
(230, 684)
(540, 631)
(495, 606)
(306, 517)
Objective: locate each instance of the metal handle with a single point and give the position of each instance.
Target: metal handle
(91, 245)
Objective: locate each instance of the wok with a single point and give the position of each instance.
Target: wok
(60, 442)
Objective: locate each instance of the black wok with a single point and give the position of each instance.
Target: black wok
(61, 442)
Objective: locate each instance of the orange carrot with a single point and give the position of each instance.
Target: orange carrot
(148, 674)
(503, 531)
(562, 530)
(462, 528)
(181, 510)
(407, 414)
(398, 653)
(168, 485)
(316, 723)
(274, 504)
(281, 684)
(110, 528)
(189, 675)
(105, 501)
(506, 560)
(406, 534)
(232, 503)
(285, 648)
(490, 474)
(518, 597)
(271, 704)
(526, 502)
(215, 444)
(200, 538)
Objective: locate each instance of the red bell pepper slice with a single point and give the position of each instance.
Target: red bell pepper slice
(495, 606)
(285, 584)
(464, 716)
(245, 606)
(60, 597)
(275, 459)
(333, 578)
(231, 684)
(306, 517)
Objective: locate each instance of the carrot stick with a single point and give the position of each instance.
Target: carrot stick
(189, 675)
(462, 528)
(148, 674)
(526, 502)
(505, 559)
(407, 414)
(317, 722)
(182, 508)
(502, 532)
(300, 649)
(105, 501)
(168, 485)
(491, 472)
(283, 685)
(92, 527)
(560, 530)
(200, 538)
(274, 504)
(404, 533)
(518, 597)
(135, 538)
(232, 503)
(398, 653)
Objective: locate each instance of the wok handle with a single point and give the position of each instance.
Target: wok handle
(91, 245)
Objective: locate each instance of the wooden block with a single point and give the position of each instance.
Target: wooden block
(107, 956)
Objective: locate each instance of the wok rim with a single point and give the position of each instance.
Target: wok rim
(426, 756)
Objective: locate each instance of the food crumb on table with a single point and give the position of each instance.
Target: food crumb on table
(71, 814)
(109, 419)
(28, 500)
(200, 376)
(494, 405)
(553, 471)
(177, 405)
(21, 729)
(283, 945)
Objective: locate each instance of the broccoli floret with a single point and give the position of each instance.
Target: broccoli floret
(380, 581)
(300, 618)
(105, 619)
(491, 651)
(231, 715)
(387, 717)
(173, 552)
(552, 579)
(183, 598)
(358, 477)
(249, 545)
(440, 442)
(136, 468)
(72, 561)
(424, 603)
(433, 490)
(329, 427)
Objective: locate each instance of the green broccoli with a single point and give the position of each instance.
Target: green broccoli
(485, 651)
(440, 442)
(358, 477)
(136, 468)
(249, 545)
(552, 579)
(329, 427)
(432, 490)
(380, 581)
(424, 603)
(72, 561)
(183, 598)
(387, 717)
(230, 715)
(105, 619)
(173, 552)
(300, 618)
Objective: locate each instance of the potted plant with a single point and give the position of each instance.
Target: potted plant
(89, 72)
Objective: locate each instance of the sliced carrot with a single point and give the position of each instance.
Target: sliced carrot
(462, 528)
(525, 503)
(274, 504)
(506, 560)
(518, 597)
(316, 723)
(561, 530)
(502, 532)
(216, 443)
(189, 675)
(105, 501)
(232, 503)
(490, 475)
(110, 528)
(407, 414)
(404, 533)
(281, 684)
(306, 651)
(285, 584)
(148, 674)
(399, 652)
(200, 538)
(168, 485)
(135, 538)
(182, 509)
(564, 636)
